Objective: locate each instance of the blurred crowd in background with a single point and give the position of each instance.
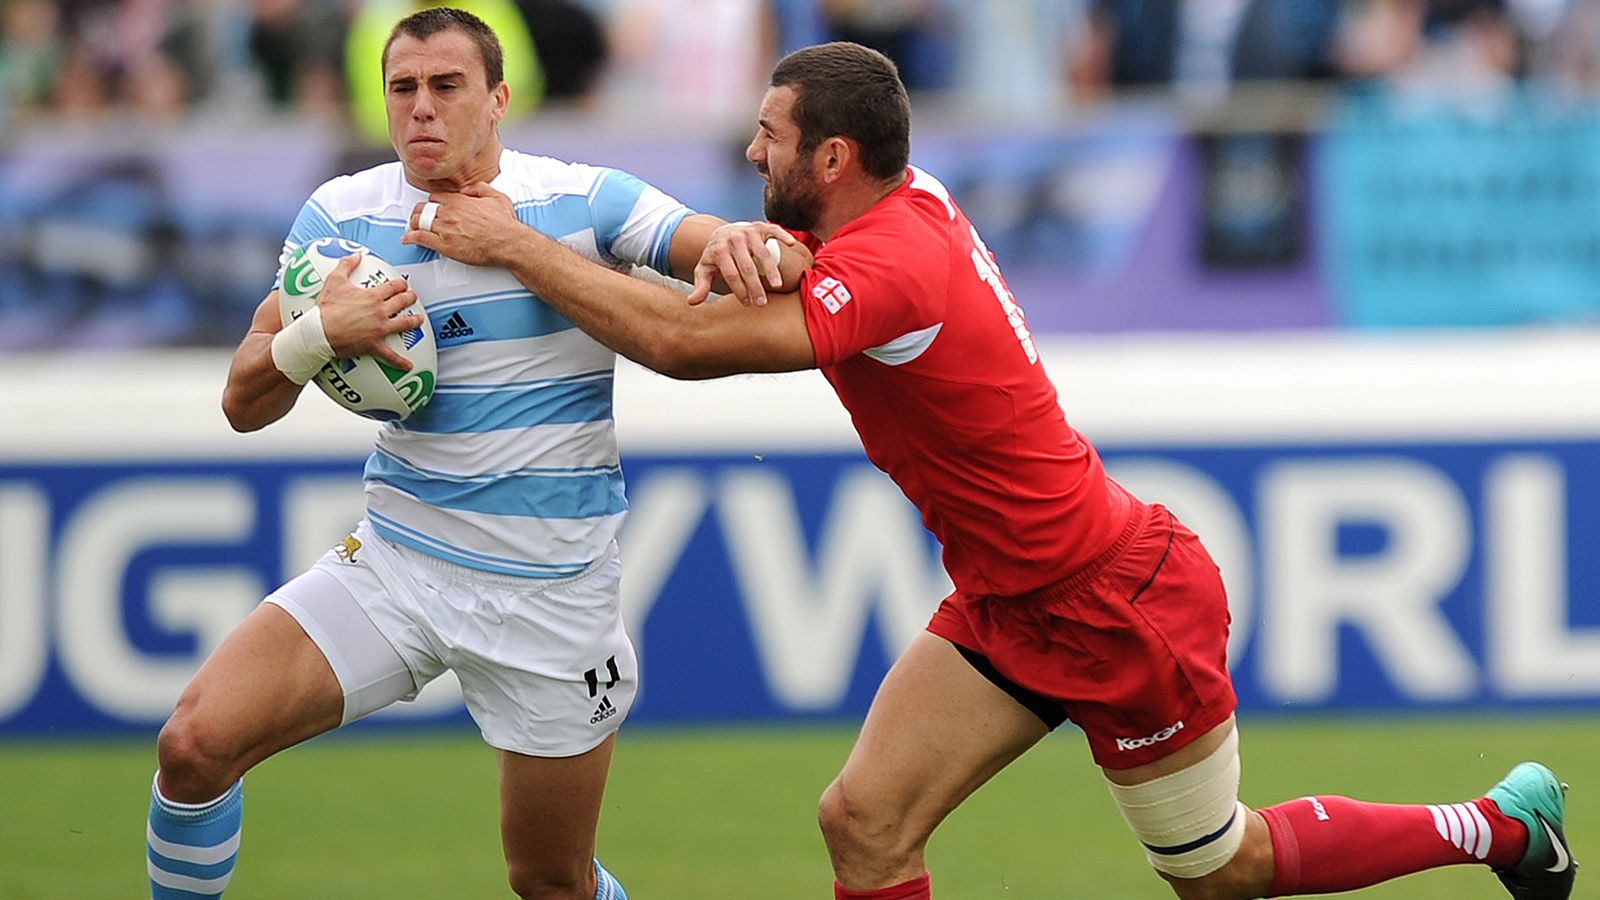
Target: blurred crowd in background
(163, 59)
(1205, 165)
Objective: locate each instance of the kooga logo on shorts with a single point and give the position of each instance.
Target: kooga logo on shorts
(1164, 734)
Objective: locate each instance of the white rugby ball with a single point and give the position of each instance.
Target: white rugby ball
(365, 385)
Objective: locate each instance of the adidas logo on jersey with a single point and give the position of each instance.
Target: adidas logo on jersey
(604, 711)
(455, 327)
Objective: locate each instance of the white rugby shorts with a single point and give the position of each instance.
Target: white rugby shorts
(545, 665)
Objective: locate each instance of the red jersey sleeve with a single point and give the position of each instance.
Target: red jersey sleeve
(869, 287)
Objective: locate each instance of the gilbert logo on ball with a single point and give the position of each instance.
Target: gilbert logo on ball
(364, 385)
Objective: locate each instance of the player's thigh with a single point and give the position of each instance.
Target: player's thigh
(266, 687)
(549, 810)
(1184, 808)
(305, 661)
(937, 730)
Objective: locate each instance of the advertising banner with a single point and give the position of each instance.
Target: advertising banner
(1425, 549)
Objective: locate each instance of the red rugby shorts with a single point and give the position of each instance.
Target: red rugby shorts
(1132, 648)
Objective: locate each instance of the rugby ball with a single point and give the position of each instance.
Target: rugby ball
(364, 385)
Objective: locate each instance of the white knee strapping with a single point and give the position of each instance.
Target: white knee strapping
(1190, 822)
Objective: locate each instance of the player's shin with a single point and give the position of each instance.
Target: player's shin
(1326, 844)
(192, 846)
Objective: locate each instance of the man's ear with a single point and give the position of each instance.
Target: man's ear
(501, 100)
(836, 155)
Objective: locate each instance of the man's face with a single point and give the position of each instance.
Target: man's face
(442, 111)
(793, 195)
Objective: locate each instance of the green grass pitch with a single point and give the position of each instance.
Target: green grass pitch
(728, 813)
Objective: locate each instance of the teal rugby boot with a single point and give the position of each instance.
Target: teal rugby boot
(1533, 795)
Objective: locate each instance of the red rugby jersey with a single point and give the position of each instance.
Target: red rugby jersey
(918, 334)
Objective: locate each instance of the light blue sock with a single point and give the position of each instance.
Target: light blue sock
(193, 845)
(606, 886)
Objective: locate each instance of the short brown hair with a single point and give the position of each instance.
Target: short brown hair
(426, 23)
(844, 89)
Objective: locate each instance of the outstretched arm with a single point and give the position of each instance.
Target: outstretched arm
(647, 323)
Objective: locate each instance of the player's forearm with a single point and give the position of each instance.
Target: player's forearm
(257, 394)
(647, 323)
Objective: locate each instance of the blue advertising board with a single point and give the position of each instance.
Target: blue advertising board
(1440, 574)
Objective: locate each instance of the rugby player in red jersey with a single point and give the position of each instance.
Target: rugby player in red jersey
(1073, 599)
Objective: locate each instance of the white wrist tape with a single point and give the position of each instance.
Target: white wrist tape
(301, 349)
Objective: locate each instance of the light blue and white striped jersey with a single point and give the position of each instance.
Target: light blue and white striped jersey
(512, 467)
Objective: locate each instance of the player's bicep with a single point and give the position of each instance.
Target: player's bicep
(689, 242)
(635, 222)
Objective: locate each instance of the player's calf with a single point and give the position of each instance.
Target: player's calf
(1245, 875)
(1328, 844)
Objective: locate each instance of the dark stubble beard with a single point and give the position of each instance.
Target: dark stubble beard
(794, 201)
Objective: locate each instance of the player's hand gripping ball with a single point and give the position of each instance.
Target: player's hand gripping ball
(365, 384)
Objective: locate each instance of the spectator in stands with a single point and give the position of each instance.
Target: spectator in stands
(1013, 57)
(150, 58)
(296, 48)
(1571, 60)
(572, 48)
(702, 59)
(32, 53)
(155, 87)
(81, 88)
(1201, 47)
(910, 32)
(1434, 47)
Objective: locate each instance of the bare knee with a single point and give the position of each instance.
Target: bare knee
(846, 823)
(854, 829)
(197, 761)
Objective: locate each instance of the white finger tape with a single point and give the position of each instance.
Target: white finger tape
(425, 218)
(774, 250)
